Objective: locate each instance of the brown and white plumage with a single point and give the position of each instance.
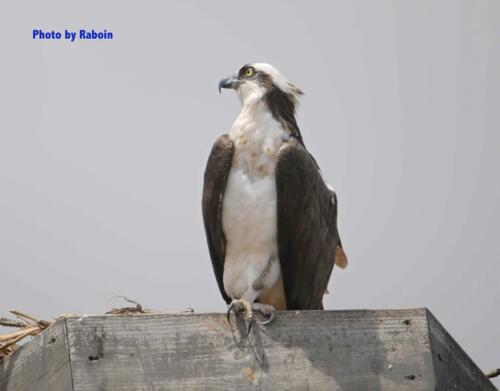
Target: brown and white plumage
(270, 219)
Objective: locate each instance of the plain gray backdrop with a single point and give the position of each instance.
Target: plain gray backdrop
(103, 145)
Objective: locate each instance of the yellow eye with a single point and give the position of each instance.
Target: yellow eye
(248, 72)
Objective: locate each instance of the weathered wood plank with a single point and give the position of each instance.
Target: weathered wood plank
(307, 350)
(317, 350)
(40, 365)
(454, 370)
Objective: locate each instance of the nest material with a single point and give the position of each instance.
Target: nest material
(129, 310)
(493, 373)
(27, 325)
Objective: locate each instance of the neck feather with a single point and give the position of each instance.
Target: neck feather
(282, 107)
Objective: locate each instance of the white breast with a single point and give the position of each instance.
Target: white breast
(249, 215)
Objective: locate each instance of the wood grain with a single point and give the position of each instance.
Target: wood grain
(453, 367)
(300, 350)
(42, 364)
(342, 350)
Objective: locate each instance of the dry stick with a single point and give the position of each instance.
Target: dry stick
(24, 321)
(493, 373)
(139, 306)
(11, 323)
(8, 341)
(23, 333)
(7, 351)
(10, 344)
(127, 310)
(22, 315)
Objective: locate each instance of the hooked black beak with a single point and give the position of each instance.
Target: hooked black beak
(229, 82)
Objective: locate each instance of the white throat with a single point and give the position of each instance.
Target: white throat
(257, 136)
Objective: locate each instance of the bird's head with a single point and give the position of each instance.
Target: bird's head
(254, 82)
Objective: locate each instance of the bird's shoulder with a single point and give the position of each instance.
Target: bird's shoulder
(222, 145)
(220, 156)
(293, 152)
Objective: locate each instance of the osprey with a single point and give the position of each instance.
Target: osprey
(270, 218)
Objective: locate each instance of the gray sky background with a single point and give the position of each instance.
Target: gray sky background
(103, 145)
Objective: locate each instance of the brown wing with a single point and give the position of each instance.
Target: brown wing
(216, 174)
(307, 228)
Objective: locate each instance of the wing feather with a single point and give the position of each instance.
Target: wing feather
(214, 186)
(307, 227)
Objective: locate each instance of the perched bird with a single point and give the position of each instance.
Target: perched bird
(270, 218)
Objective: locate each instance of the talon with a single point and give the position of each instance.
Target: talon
(240, 304)
(269, 320)
(250, 318)
(250, 321)
(250, 309)
(228, 314)
(265, 309)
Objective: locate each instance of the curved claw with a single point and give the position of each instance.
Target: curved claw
(228, 313)
(269, 320)
(246, 306)
(250, 321)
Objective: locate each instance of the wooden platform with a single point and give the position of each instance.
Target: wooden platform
(306, 350)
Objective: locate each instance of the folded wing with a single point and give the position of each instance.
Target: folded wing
(307, 228)
(214, 186)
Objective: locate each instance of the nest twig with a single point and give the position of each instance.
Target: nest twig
(493, 373)
(28, 326)
(128, 310)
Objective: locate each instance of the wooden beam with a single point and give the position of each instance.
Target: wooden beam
(41, 364)
(318, 350)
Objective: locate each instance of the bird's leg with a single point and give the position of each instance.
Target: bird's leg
(239, 305)
(265, 309)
